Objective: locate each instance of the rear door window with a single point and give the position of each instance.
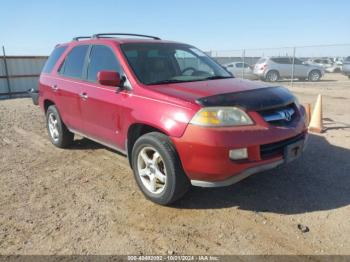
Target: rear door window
(101, 58)
(51, 62)
(74, 63)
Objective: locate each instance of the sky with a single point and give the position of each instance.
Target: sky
(35, 27)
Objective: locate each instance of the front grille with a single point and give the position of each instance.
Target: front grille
(277, 148)
(281, 116)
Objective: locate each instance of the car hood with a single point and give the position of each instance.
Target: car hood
(191, 91)
(229, 92)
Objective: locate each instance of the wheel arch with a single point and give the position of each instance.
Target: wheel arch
(137, 130)
(272, 70)
(47, 103)
(316, 69)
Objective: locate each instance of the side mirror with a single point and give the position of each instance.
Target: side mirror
(109, 78)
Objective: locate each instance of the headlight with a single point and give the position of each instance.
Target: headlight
(296, 102)
(221, 116)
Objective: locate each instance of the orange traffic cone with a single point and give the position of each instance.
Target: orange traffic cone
(308, 112)
(316, 118)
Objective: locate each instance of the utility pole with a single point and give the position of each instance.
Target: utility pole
(6, 71)
(293, 63)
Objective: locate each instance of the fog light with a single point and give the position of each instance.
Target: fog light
(237, 154)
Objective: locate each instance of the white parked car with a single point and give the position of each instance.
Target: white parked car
(338, 60)
(241, 70)
(346, 67)
(327, 64)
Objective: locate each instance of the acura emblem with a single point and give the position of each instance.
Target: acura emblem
(287, 115)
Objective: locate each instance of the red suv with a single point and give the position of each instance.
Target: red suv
(178, 115)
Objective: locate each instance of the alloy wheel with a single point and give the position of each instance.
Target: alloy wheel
(53, 127)
(272, 76)
(151, 169)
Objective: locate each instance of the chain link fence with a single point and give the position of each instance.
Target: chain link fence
(288, 64)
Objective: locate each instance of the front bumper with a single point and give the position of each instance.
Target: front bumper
(236, 178)
(204, 152)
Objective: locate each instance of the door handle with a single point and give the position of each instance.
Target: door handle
(84, 96)
(54, 87)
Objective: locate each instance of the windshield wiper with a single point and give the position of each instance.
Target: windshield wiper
(170, 81)
(167, 81)
(217, 77)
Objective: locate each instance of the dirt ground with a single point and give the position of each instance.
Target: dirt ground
(84, 200)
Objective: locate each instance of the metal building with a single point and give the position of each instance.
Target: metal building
(18, 74)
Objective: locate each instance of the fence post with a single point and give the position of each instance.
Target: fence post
(6, 71)
(293, 63)
(243, 61)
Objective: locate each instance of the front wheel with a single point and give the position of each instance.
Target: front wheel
(158, 170)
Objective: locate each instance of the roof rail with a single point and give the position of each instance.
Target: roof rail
(105, 35)
(80, 37)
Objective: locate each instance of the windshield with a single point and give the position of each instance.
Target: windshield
(171, 63)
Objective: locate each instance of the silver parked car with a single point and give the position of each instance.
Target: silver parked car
(346, 67)
(275, 68)
(241, 70)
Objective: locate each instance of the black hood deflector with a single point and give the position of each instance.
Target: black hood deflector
(252, 100)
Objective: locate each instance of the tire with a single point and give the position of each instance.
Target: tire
(59, 135)
(314, 76)
(172, 183)
(272, 76)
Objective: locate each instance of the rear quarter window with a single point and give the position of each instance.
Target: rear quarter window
(281, 60)
(261, 60)
(53, 58)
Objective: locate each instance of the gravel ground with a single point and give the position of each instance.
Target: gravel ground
(84, 200)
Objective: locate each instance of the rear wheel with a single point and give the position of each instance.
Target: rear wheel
(59, 135)
(272, 76)
(158, 170)
(314, 75)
